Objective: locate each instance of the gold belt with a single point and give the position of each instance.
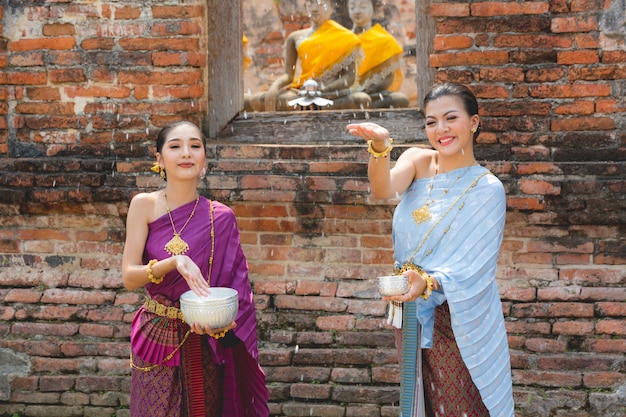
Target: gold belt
(162, 310)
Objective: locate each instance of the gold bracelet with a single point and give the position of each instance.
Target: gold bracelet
(218, 335)
(429, 286)
(382, 154)
(152, 278)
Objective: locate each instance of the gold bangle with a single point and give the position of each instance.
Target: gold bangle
(218, 335)
(382, 154)
(429, 286)
(152, 278)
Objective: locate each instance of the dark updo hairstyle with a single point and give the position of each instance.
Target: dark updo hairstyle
(456, 90)
(167, 129)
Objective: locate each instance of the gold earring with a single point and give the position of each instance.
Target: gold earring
(473, 130)
(157, 168)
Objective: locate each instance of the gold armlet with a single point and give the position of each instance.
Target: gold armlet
(152, 278)
(382, 154)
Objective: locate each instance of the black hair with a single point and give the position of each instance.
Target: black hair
(167, 129)
(456, 90)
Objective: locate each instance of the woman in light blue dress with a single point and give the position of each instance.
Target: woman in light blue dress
(447, 231)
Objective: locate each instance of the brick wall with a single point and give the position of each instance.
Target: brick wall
(84, 87)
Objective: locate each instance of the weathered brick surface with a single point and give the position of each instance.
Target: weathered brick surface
(81, 99)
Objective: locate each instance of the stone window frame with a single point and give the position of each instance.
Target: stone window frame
(225, 89)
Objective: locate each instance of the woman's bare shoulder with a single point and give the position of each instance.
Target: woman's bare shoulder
(419, 154)
(423, 159)
(144, 205)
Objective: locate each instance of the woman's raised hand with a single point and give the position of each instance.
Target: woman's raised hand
(192, 274)
(369, 131)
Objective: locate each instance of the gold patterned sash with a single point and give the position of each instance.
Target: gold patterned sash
(153, 306)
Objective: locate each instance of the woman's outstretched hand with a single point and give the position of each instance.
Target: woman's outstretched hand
(192, 274)
(369, 131)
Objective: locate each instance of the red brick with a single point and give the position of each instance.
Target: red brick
(583, 123)
(177, 12)
(127, 12)
(385, 375)
(161, 30)
(577, 57)
(98, 44)
(444, 43)
(527, 328)
(311, 391)
(111, 30)
(546, 379)
(539, 187)
(56, 383)
(607, 345)
(21, 78)
(325, 289)
(96, 330)
(58, 29)
(573, 328)
(449, 10)
(611, 327)
(574, 24)
(603, 379)
(48, 329)
(167, 59)
(494, 8)
(77, 296)
(57, 43)
(310, 303)
(34, 59)
(613, 57)
(524, 203)
(469, 58)
(570, 91)
(546, 345)
(545, 75)
(577, 107)
(140, 44)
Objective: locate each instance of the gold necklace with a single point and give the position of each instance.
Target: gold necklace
(469, 188)
(176, 245)
(212, 242)
(422, 214)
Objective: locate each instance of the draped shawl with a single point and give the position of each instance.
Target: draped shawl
(382, 54)
(324, 53)
(153, 339)
(461, 252)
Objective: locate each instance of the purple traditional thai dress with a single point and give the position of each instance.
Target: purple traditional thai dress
(197, 375)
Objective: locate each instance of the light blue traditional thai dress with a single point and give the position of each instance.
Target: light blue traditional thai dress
(459, 246)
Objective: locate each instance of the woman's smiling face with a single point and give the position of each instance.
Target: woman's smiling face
(183, 154)
(448, 125)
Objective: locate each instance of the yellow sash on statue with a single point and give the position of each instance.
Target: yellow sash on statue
(325, 52)
(246, 57)
(382, 56)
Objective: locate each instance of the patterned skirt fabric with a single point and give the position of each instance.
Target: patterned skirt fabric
(191, 390)
(448, 387)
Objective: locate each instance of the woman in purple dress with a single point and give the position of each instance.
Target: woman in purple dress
(177, 240)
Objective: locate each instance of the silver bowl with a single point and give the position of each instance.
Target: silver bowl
(393, 285)
(217, 310)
